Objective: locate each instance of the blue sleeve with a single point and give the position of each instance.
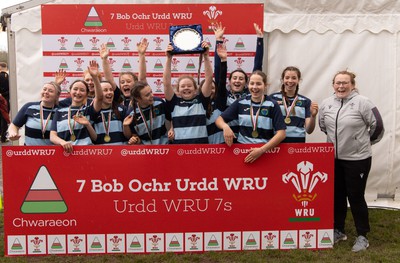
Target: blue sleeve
(65, 102)
(93, 115)
(217, 64)
(133, 124)
(166, 111)
(123, 112)
(258, 59)
(55, 120)
(277, 117)
(170, 104)
(117, 94)
(222, 93)
(204, 100)
(232, 112)
(21, 118)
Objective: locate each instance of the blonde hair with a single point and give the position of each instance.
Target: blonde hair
(56, 87)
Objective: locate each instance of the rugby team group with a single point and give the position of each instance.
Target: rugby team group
(214, 111)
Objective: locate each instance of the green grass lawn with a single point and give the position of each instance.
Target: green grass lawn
(384, 247)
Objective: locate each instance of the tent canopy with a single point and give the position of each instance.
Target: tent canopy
(336, 15)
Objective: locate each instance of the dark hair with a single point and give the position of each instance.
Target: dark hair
(262, 74)
(81, 81)
(114, 103)
(137, 87)
(246, 78)
(135, 95)
(290, 68)
(209, 105)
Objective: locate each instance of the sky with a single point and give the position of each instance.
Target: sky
(3, 35)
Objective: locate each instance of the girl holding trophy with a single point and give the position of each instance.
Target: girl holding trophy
(188, 106)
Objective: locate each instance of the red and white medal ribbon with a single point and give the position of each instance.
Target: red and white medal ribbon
(43, 122)
(149, 128)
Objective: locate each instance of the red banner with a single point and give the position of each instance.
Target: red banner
(181, 198)
(72, 34)
(148, 18)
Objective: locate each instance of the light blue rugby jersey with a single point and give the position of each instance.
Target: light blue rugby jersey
(29, 115)
(60, 125)
(115, 129)
(189, 119)
(232, 97)
(269, 121)
(215, 135)
(159, 131)
(295, 130)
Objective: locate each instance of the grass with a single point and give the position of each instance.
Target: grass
(384, 247)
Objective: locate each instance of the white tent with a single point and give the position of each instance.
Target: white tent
(323, 37)
(320, 37)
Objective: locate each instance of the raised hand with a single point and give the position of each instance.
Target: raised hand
(259, 31)
(142, 46)
(219, 31)
(206, 47)
(60, 76)
(104, 52)
(93, 68)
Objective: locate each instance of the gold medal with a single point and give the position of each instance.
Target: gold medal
(254, 134)
(73, 137)
(288, 120)
(107, 138)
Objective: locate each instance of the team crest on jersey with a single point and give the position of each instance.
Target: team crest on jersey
(299, 103)
(264, 112)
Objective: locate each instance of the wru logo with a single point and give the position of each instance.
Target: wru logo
(304, 182)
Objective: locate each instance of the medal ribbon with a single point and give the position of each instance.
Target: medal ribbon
(254, 121)
(72, 127)
(149, 130)
(43, 123)
(288, 110)
(106, 123)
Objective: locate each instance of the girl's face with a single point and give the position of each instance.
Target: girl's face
(290, 82)
(146, 97)
(49, 95)
(257, 88)
(89, 80)
(186, 89)
(126, 82)
(342, 86)
(108, 94)
(237, 82)
(78, 93)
